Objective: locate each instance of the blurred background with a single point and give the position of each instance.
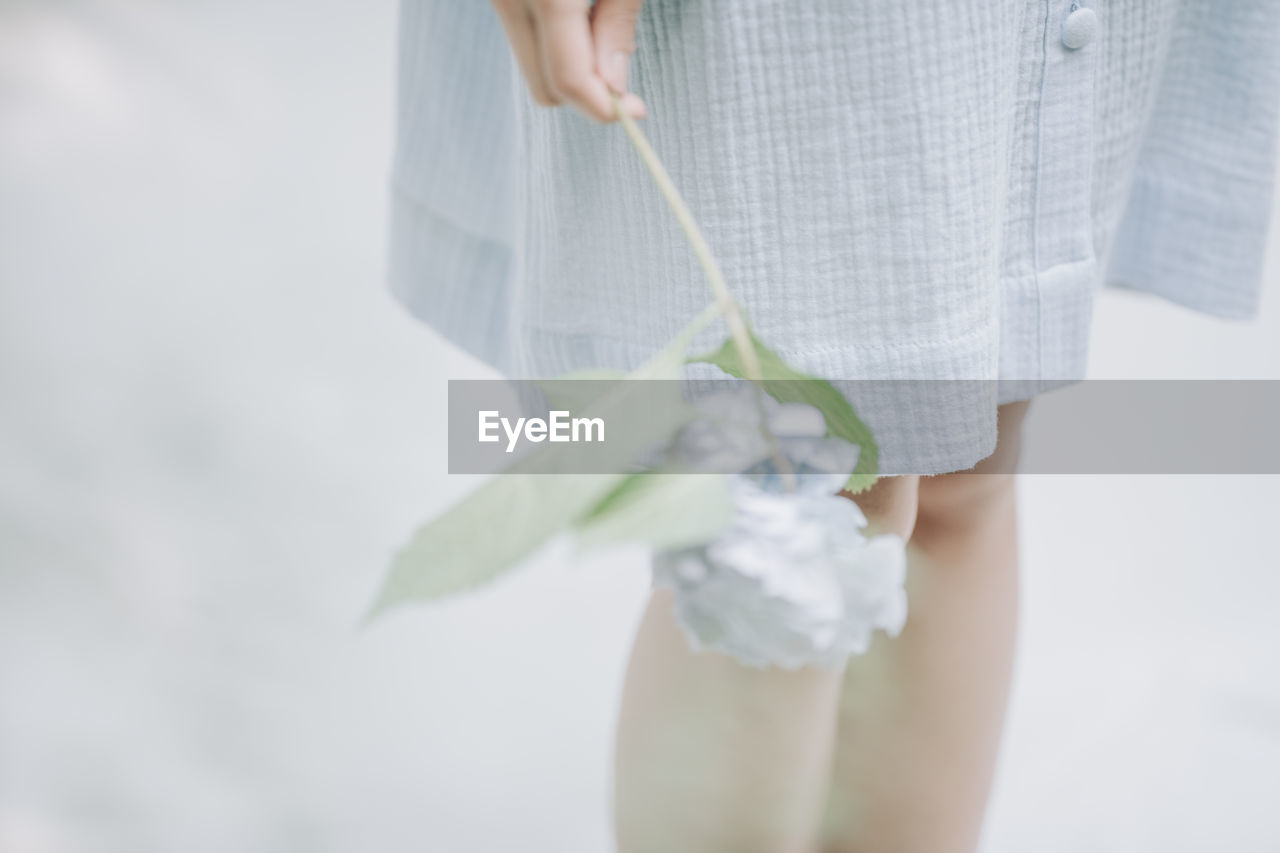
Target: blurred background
(215, 427)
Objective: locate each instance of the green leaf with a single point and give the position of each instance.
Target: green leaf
(573, 392)
(487, 533)
(662, 510)
(515, 513)
(788, 385)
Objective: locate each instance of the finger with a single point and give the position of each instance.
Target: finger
(568, 58)
(613, 27)
(633, 106)
(519, 26)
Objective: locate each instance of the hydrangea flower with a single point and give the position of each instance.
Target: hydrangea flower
(726, 437)
(792, 580)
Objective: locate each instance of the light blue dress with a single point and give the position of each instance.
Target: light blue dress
(917, 190)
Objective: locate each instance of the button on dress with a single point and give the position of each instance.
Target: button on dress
(894, 190)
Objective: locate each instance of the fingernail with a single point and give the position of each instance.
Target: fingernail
(634, 106)
(617, 72)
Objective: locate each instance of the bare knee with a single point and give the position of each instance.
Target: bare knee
(966, 500)
(889, 505)
(986, 491)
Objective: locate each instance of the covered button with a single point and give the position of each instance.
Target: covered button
(1079, 28)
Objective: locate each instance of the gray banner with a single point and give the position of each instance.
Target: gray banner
(919, 426)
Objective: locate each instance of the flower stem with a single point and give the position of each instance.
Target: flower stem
(732, 314)
(738, 332)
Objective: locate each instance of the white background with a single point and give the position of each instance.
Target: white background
(215, 426)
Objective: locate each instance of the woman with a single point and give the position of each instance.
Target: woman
(895, 190)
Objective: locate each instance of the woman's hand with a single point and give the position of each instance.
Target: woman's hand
(572, 52)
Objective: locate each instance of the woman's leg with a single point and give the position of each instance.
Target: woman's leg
(921, 715)
(714, 757)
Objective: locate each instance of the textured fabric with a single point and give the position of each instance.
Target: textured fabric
(894, 190)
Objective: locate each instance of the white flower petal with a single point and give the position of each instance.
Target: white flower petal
(791, 582)
(798, 420)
